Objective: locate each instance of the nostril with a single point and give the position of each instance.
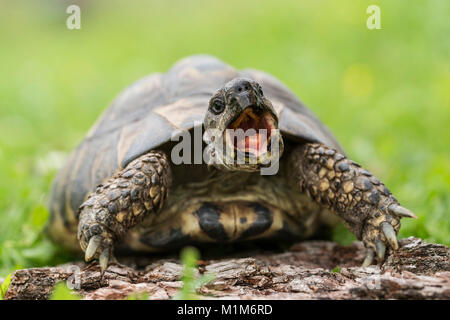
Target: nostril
(246, 88)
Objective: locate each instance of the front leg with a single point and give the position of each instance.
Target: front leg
(365, 205)
(120, 203)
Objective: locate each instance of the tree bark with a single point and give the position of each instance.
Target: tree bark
(418, 270)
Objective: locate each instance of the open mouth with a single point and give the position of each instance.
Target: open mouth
(251, 132)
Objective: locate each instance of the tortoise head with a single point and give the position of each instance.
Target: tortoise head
(241, 128)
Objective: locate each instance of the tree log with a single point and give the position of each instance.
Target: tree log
(418, 270)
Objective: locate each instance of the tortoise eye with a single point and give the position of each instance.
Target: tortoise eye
(217, 106)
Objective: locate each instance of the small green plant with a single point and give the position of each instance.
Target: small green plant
(138, 296)
(189, 257)
(4, 286)
(336, 269)
(62, 292)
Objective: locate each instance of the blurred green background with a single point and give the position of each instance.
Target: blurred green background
(384, 93)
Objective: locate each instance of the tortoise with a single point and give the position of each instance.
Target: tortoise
(113, 191)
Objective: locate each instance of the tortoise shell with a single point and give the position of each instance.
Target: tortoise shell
(146, 114)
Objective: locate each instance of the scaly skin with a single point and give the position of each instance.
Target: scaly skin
(328, 177)
(365, 205)
(120, 203)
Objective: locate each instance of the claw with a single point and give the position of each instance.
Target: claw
(381, 250)
(104, 259)
(400, 211)
(369, 258)
(92, 247)
(83, 245)
(390, 235)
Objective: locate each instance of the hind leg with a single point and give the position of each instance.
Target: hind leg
(122, 202)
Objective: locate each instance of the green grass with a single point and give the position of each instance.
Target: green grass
(4, 285)
(384, 93)
(189, 257)
(62, 292)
